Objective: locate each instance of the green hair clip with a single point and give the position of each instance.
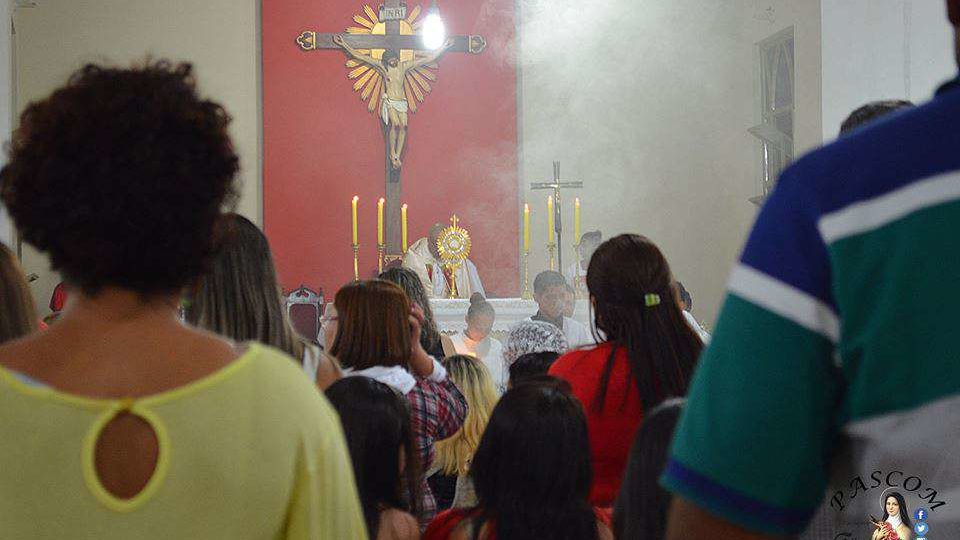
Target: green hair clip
(652, 299)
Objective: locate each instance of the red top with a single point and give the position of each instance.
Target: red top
(611, 430)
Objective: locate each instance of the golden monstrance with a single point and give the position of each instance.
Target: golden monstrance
(453, 244)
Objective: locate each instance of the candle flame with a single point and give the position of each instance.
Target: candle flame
(356, 198)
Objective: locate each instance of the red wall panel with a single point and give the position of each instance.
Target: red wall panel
(322, 147)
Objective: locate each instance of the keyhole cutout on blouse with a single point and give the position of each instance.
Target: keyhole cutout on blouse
(126, 455)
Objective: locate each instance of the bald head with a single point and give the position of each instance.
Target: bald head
(433, 237)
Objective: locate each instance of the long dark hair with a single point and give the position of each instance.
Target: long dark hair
(376, 423)
(17, 314)
(661, 347)
(904, 513)
(532, 469)
(641, 508)
(409, 281)
(239, 296)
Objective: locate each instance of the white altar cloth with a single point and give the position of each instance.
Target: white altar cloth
(451, 314)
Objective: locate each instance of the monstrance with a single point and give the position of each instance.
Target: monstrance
(453, 244)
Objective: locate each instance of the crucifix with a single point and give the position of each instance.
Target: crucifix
(392, 69)
(556, 186)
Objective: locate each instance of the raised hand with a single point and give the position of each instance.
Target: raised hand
(421, 363)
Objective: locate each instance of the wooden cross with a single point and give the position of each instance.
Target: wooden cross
(556, 186)
(391, 13)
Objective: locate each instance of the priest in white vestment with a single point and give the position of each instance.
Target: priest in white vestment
(424, 259)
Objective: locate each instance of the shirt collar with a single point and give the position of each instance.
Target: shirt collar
(540, 317)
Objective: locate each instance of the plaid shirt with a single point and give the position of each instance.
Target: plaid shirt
(437, 411)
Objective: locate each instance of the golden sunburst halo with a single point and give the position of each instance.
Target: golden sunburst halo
(368, 82)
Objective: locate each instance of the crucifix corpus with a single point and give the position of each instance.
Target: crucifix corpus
(392, 70)
(556, 186)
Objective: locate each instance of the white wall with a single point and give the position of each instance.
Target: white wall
(882, 49)
(220, 37)
(6, 104)
(648, 102)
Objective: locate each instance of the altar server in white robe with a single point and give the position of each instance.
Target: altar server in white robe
(423, 257)
(576, 273)
(549, 290)
(476, 340)
(685, 300)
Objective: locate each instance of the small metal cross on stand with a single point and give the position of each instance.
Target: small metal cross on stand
(556, 186)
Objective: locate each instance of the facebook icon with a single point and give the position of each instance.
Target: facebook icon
(920, 514)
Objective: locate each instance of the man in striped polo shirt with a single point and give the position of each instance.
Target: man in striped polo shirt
(831, 390)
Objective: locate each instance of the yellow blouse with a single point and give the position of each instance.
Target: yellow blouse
(252, 451)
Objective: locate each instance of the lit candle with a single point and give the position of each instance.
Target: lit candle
(403, 227)
(576, 220)
(356, 199)
(550, 219)
(380, 222)
(526, 227)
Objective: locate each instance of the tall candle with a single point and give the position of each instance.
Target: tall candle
(550, 227)
(403, 227)
(576, 220)
(380, 222)
(526, 227)
(356, 199)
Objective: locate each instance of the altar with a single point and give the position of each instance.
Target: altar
(450, 314)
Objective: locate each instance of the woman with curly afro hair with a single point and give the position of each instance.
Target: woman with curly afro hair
(120, 421)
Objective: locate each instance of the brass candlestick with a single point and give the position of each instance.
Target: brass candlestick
(381, 255)
(552, 248)
(526, 294)
(356, 262)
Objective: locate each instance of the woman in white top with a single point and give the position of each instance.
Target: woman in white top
(476, 340)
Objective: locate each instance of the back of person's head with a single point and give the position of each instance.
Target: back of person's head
(474, 381)
(532, 470)
(17, 314)
(120, 177)
(239, 296)
(547, 279)
(376, 423)
(641, 508)
(591, 238)
(872, 111)
(531, 365)
(589, 242)
(632, 290)
(410, 283)
(373, 325)
(533, 337)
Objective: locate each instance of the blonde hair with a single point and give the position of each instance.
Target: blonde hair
(453, 455)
